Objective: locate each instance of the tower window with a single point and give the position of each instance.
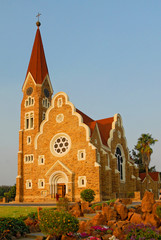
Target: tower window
(28, 139)
(41, 183)
(43, 115)
(29, 158)
(29, 102)
(28, 184)
(82, 181)
(29, 120)
(45, 102)
(81, 154)
(118, 155)
(41, 160)
(60, 102)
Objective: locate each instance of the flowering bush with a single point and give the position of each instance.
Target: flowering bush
(141, 232)
(11, 227)
(104, 229)
(78, 235)
(56, 223)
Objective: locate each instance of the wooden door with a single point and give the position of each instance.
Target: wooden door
(61, 189)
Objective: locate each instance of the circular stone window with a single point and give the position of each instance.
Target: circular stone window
(60, 144)
(29, 91)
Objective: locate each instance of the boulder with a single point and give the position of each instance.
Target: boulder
(152, 220)
(84, 205)
(82, 226)
(136, 218)
(88, 210)
(118, 233)
(99, 219)
(106, 236)
(76, 210)
(147, 202)
(130, 215)
(122, 210)
(111, 223)
(109, 213)
(155, 207)
(97, 208)
(126, 201)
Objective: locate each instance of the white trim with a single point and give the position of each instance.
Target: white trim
(73, 113)
(40, 158)
(27, 184)
(96, 164)
(80, 178)
(28, 158)
(19, 176)
(59, 102)
(138, 178)
(124, 162)
(60, 118)
(133, 177)
(29, 75)
(52, 142)
(81, 155)
(28, 140)
(29, 102)
(116, 171)
(107, 168)
(40, 182)
(29, 116)
(61, 164)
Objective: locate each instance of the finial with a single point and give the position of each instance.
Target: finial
(38, 23)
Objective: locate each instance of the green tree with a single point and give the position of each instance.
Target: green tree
(88, 195)
(144, 149)
(57, 223)
(11, 194)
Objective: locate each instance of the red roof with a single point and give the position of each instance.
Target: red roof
(37, 65)
(153, 175)
(104, 125)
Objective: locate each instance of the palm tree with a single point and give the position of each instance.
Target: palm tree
(143, 146)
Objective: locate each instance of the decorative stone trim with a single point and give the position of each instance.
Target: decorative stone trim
(29, 184)
(82, 181)
(60, 144)
(96, 164)
(41, 160)
(60, 118)
(81, 154)
(133, 177)
(29, 102)
(59, 102)
(41, 183)
(29, 158)
(29, 120)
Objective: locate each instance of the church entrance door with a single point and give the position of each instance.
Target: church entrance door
(61, 189)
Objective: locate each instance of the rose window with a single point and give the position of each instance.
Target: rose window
(60, 144)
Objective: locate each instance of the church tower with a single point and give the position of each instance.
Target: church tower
(37, 93)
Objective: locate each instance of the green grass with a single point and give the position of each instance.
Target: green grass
(9, 211)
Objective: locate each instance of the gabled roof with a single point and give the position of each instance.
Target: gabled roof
(37, 65)
(104, 125)
(153, 175)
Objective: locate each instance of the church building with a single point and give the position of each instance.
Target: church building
(62, 150)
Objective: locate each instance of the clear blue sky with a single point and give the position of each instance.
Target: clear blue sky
(106, 55)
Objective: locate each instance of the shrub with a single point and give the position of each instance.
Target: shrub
(141, 232)
(57, 223)
(158, 211)
(88, 195)
(11, 226)
(100, 204)
(63, 204)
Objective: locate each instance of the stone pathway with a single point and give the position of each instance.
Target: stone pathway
(31, 236)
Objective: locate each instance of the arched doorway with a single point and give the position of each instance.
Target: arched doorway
(58, 184)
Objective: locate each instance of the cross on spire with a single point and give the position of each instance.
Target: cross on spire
(38, 23)
(38, 15)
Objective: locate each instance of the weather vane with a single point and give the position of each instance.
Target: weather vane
(38, 23)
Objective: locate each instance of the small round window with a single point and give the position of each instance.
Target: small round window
(60, 144)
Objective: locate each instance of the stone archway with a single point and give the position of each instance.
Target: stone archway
(58, 182)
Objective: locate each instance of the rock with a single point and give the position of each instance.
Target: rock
(99, 219)
(120, 224)
(110, 213)
(88, 210)
(136, 218)
(111, 223)
(130, 215)
(76, 210)
(106, 236)
(147, 202)
(84, 205)
(76, 206)
(82, 226)
(99, 207)
(126, 201)
(104, 205)
(122, 210)
(118, 233)
(152, 220)
(131, 210)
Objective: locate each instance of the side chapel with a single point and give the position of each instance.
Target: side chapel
(62, 150)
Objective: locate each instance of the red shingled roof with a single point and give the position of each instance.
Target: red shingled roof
(153, 175)
(104, 125)
(37, 65)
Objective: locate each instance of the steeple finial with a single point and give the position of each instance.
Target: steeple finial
(38, 23)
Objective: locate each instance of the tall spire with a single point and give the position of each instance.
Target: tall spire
(37, 65)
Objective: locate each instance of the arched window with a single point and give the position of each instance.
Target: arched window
(119, 162)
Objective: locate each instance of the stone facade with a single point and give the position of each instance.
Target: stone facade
(62, 150)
